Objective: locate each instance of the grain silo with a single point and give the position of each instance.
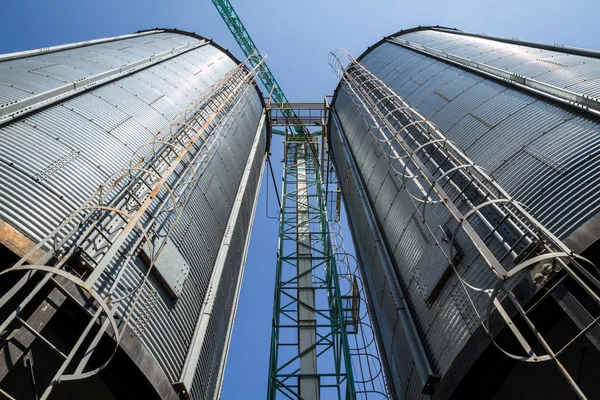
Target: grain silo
(469, 166)
(129, 171)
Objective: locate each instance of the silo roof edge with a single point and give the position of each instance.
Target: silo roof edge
(194, 35)
(405, 31)
(69, 46)
(385, 38)
(224, 50)
(537, 45)
(455, 31)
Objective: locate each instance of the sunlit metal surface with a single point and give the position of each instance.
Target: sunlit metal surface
(439, 213)
(113, 133)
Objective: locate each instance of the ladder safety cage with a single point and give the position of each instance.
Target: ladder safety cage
(311, 357)
(501, 234)
(368, 371)
(133, 212)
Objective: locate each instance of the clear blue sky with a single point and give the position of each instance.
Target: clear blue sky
(297, 37)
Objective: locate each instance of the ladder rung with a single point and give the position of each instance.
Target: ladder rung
(39, 336)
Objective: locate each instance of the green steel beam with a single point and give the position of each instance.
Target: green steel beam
(310, 356)
(306, 264)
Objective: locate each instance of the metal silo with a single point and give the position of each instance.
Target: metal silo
(469, 167)
(129, 173)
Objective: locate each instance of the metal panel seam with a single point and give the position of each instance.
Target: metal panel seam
(26, 106)
(408, 324)
(578, 101)
(189, 369)
(62, 47)
(227, 343)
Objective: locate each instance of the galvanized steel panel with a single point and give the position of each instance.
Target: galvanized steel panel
(548, 66)
(9, 94)
(97, 145)
(61, 73)
(69, 60)
(19, 192)
(53, 159)
(40, 73)
(542, 153)
(508, 137)
(502, 106)
(27, 81)
(177, 96)
(470, 97)
(591, 87)
(561, 78)
(126, 105)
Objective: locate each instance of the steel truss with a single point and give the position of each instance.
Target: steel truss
(134, 211)
(242, 37)
(310, 356)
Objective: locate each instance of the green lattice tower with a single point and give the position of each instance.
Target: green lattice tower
(309, 349)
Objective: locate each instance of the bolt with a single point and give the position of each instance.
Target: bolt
(538, 278)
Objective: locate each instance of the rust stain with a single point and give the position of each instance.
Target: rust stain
(18, 243)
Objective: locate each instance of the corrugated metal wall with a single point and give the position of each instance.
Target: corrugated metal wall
(502, 129)
(52, 159)
(214, 346)
(543, 153)
(574, 72)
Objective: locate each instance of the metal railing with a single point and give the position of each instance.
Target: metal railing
(135, 210)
